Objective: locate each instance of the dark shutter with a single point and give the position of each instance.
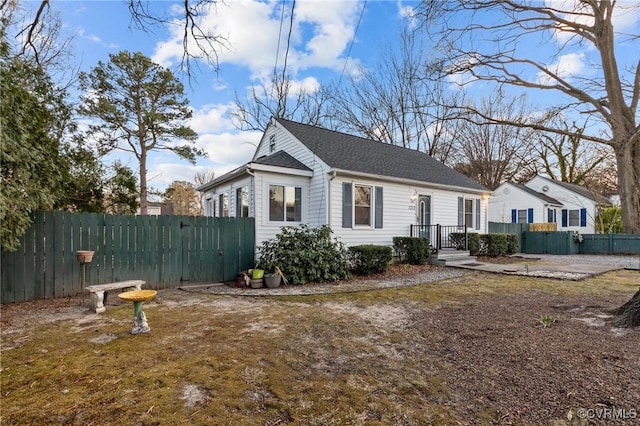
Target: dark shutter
(478, 210)
(239, 202)
(514, 216)
(460, 211)
(565, 215)
(530, 216)
(297, 208)
(347, 205)
(220, 205)
(379, 207)
(583, 217)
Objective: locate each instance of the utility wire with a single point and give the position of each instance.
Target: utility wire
(275, 66)
(364, 4)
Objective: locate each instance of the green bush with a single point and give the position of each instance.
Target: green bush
(413, 250)
(370, 259)
(487, 244)
(305, 255)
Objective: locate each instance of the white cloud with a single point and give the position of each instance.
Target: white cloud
(212, 118)
(626, 16)
(568, 66)
(321, 33)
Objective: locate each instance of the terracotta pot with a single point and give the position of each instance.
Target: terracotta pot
(84, 256)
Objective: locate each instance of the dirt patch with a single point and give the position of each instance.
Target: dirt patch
(505, 367)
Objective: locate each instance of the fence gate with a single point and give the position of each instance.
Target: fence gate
(164, 251)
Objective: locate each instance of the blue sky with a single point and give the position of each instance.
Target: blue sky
(324, 31)
(324, 34)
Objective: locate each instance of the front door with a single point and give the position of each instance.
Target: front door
(424, 216)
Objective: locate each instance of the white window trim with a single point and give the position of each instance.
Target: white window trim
(371, 206)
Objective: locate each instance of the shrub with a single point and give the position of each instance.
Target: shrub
(487, 244)
(413, 250)
(305, 254)
(370, 259)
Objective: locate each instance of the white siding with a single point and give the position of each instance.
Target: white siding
(570, 201)
(265, 229)
(317, 193)
(228, 188)
(400, 210)
(507, 197)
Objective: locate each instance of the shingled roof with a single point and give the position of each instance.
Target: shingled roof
(356, 154)
(544, 197)
(281, 159)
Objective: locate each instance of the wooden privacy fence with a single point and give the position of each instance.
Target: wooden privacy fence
(164, 251)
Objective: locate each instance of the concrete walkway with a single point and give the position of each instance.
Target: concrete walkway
(566, 271)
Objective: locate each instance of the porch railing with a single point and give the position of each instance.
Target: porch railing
(442, 237)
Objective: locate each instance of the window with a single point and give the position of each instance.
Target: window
(522, 216)
(210, 207)
(285, 203)
(574, 217)
(551, 215)
(468, 213)
(242, 202)
(223, 204)
(362, 205)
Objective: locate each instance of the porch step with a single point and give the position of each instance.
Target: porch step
(447, 255)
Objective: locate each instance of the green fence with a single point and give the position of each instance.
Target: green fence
(164, 251)
(610, 243)
(548, 242)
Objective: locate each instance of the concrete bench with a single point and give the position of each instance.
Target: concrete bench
(99, 292)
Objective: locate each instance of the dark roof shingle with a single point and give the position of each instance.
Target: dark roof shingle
(353, 153)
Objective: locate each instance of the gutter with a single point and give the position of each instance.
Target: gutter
(410, 181)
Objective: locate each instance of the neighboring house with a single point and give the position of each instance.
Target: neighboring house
(368, 192)
(571, 207)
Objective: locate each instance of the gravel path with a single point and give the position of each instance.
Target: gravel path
(424, 274)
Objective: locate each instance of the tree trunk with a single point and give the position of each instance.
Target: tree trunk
(143, 181)
(628, 315)
(628, 161)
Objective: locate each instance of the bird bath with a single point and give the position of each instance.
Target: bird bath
(140, 324)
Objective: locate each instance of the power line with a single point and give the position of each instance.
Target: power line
(364, 4)
(275, 66)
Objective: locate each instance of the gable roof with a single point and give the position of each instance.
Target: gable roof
(581, 190)
(543, 197)
(356, 154)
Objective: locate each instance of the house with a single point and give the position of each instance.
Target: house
(368, 192)
(571, 207)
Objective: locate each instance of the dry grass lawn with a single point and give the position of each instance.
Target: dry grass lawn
(469, 350)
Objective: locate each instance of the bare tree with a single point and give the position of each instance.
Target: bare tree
(493, 41)
(43, 41)
(395, 103)
(198, 42)
(280, 98)
(200, 179)
(488, 153)
(568, 158)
